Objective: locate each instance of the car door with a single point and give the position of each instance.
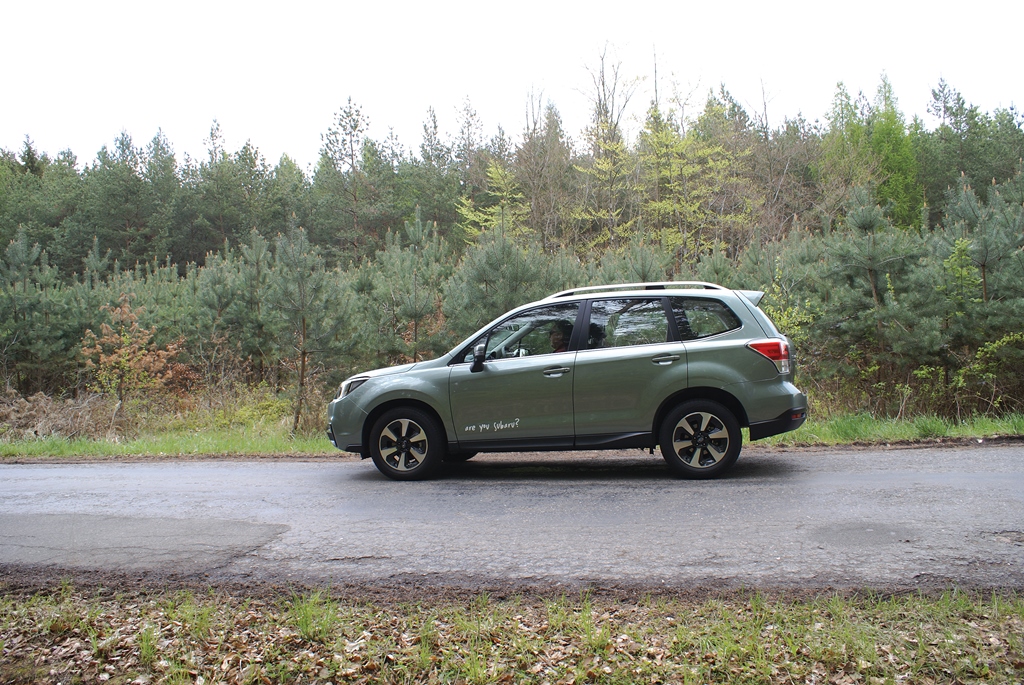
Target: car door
(627, 366)
(523, 394)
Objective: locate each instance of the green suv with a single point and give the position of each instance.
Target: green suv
(680, 365)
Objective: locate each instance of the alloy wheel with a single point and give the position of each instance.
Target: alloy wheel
(701, 439)
(403, 444)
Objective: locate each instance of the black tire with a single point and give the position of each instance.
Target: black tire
(407, 444)
(457, 457)
(700, 439)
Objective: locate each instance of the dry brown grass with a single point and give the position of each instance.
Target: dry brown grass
(40, 416)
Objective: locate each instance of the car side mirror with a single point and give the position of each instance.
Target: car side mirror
(479, 355)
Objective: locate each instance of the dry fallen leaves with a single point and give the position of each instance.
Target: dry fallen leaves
(156, 637)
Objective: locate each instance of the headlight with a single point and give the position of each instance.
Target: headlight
(350, 385)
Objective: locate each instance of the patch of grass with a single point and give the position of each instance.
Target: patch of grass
(864, 428)
(931, 427)
(147, 642)
(249, 432)
(313, 616)
(596, 637)
(428, 636)
(194, 615)
(240, 441)
(177, 673)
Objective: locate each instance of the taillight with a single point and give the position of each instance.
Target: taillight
(775, 350)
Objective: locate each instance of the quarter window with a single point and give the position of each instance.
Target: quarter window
(700, 318)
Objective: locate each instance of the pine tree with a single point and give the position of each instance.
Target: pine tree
(898, 188)
(308, 298)
(544, 170)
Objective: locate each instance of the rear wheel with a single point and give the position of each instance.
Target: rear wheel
(407, 444)
(700, 439)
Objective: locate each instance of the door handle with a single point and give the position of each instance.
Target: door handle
(665, 359)
(556, 371)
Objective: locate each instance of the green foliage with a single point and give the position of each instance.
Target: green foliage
(898, 186)
(147, 641)
(40, 329)
(398, 297)
(967, 146)
(635, 262)
(963, 278)
(544, 171)
(310, 302)
(498, 274)
(504, 208)
(119, 206)
(343, 194)
(893, 254)
(847, 161)
(994, 377)
(265, 411)
(692, 195)
(870, 297)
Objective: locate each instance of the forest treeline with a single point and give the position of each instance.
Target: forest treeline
(893, 253)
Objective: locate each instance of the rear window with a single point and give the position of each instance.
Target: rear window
(700, 318)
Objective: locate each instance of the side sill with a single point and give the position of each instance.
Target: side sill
(564, 444)
(527, 445)
(615, 441)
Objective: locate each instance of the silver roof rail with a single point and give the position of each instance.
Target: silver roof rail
(658, 285)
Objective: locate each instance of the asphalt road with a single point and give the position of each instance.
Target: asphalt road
(889, 519)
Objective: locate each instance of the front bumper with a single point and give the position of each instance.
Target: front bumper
(344, 426)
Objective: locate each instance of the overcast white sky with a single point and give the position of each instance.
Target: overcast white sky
(78, 73)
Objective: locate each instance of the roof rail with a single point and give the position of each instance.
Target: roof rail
(658, 285)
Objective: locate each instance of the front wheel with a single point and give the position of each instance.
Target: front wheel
(407, 444)
(700, 439)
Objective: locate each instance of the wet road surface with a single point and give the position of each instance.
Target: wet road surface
(889, 519)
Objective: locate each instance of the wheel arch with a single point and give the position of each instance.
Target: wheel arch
(378, 411)
(724, 398)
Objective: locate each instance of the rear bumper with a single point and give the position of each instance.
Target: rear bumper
(790, 419)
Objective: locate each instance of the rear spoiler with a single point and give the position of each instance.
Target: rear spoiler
(753, 295)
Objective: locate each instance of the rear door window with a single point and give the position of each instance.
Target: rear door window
(626, 322)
